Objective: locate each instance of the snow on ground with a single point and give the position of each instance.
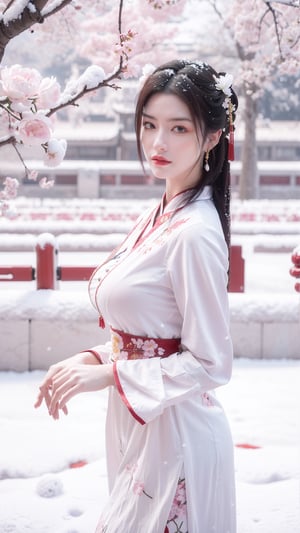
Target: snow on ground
(53, 477)
(41, 493)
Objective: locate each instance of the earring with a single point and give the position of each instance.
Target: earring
(231, 133)
(206, 165)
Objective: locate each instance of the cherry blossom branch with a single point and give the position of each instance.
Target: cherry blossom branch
(72, 100)
(92, 79)
(104, 83)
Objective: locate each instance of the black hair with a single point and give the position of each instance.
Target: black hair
(196, 85)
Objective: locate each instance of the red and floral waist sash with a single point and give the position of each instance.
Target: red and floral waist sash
(128, 346)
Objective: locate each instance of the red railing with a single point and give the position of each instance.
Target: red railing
(237, 270)
(47, 273)
(17, 273)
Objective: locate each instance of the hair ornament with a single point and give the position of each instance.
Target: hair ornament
(231, 132)
(224, 83)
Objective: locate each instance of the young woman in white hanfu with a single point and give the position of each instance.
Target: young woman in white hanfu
(163, 294)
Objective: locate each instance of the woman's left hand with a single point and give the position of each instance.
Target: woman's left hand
(61, 383)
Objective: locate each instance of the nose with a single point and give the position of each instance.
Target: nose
(160, 142)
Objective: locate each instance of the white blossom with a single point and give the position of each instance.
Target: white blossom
(223, 83)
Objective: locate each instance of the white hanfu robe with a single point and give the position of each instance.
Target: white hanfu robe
(164, 424)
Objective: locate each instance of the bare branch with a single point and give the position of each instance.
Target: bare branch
(7, 140)
(21, 159)
(213, 3)
(276, 26)
(120, 32)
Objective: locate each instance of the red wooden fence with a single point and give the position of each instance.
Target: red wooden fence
(47, 273)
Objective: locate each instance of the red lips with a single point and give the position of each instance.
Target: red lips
(159, 160)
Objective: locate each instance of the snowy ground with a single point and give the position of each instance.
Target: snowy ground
(40, 491)
(45, 489)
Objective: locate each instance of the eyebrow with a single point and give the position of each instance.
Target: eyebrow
(175, 119)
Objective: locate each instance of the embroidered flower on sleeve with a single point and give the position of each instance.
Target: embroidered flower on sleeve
(131, 468)
(138, 488)
(206, 399)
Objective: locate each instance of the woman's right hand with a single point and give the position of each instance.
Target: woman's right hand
(45, 389)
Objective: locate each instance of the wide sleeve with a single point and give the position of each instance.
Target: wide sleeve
(197, 265)
(103, 352)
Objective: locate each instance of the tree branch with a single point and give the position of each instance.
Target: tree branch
(7, 140)
(51, 11)
(10, 28)
(273, 12)
(85, 90)
(291, 3)
(242, 54)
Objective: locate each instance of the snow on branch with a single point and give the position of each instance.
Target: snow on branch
(291, 3)
(54, 7)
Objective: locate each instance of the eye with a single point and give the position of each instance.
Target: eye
(180, 129)
(148, 125)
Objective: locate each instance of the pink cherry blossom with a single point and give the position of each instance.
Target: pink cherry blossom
(10, 188)
(48, 93)
(34, 129)
(19, 83)
(32, 175)
(44, 183)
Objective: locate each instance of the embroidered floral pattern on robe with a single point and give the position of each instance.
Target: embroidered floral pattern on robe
(177, 521)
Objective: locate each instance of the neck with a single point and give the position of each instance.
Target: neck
(170, 194)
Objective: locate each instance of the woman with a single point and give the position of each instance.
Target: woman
(163, 294)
